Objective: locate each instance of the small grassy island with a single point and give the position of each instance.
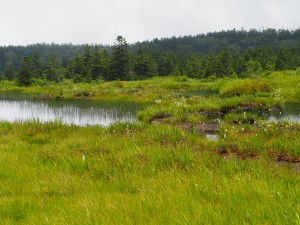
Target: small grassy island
(164, 168)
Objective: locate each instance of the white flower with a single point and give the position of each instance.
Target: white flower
(158, 101)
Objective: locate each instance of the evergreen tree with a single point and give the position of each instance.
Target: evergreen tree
(11, 59)
(166, 63)
(2, 76)
(120, 62)
(176, 71)
(25, 72)
(226, 59)
(285, 59)
(52, 68)
(98, 65)
(253, 69)
(240, 65)
(86, 64)
(214, 66)
(75, 69)
(194, 67)
(266, 57)
(144, 65)
(37, 68)
(10, 72)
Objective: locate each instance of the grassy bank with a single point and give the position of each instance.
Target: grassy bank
(284, 84)
(162, 169)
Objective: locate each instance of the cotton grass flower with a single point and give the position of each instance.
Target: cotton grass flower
(83, 156)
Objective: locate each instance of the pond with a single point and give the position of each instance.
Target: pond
(289, 113)
(77, 112)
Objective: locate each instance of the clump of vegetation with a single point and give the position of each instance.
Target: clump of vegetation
(6, 85)
(247, 87)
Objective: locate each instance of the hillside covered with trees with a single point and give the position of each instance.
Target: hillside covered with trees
(229, 53)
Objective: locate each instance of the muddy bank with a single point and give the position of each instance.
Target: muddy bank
(284, 157)
(248, 107)
(233, 151)
(200, 128)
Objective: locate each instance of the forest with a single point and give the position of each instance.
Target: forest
(231, 53)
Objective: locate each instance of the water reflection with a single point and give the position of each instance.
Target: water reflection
(290, 113)
(288, 118)
(69, 112)
(212, 137)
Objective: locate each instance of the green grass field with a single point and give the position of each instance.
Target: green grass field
(158, 173)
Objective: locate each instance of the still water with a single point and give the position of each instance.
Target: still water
(68, 112)
(289, 113)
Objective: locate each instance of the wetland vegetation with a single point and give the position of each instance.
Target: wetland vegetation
(190, 130)
(160, 169)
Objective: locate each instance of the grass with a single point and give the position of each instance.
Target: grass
(152, 174)
(143, 173)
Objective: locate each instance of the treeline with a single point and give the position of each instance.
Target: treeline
(121, 61)
(240, 40)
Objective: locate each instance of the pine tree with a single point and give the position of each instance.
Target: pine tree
(52, 68)
(98, 64)
(253, 68)
(25, 72)
(266, 57)
(194, 67)
(9, 72)
(37, 68)
(226, 60)
(144, 65)
(120, 62)
(285, 59)
(214, 66)
(86, 64)
(166, 63)
(75, 69)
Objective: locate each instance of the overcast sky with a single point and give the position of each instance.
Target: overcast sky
(101, 21)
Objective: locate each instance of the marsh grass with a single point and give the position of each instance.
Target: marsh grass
(143, 173)
(152, 174)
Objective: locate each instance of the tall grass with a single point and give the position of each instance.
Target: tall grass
(152, 174)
